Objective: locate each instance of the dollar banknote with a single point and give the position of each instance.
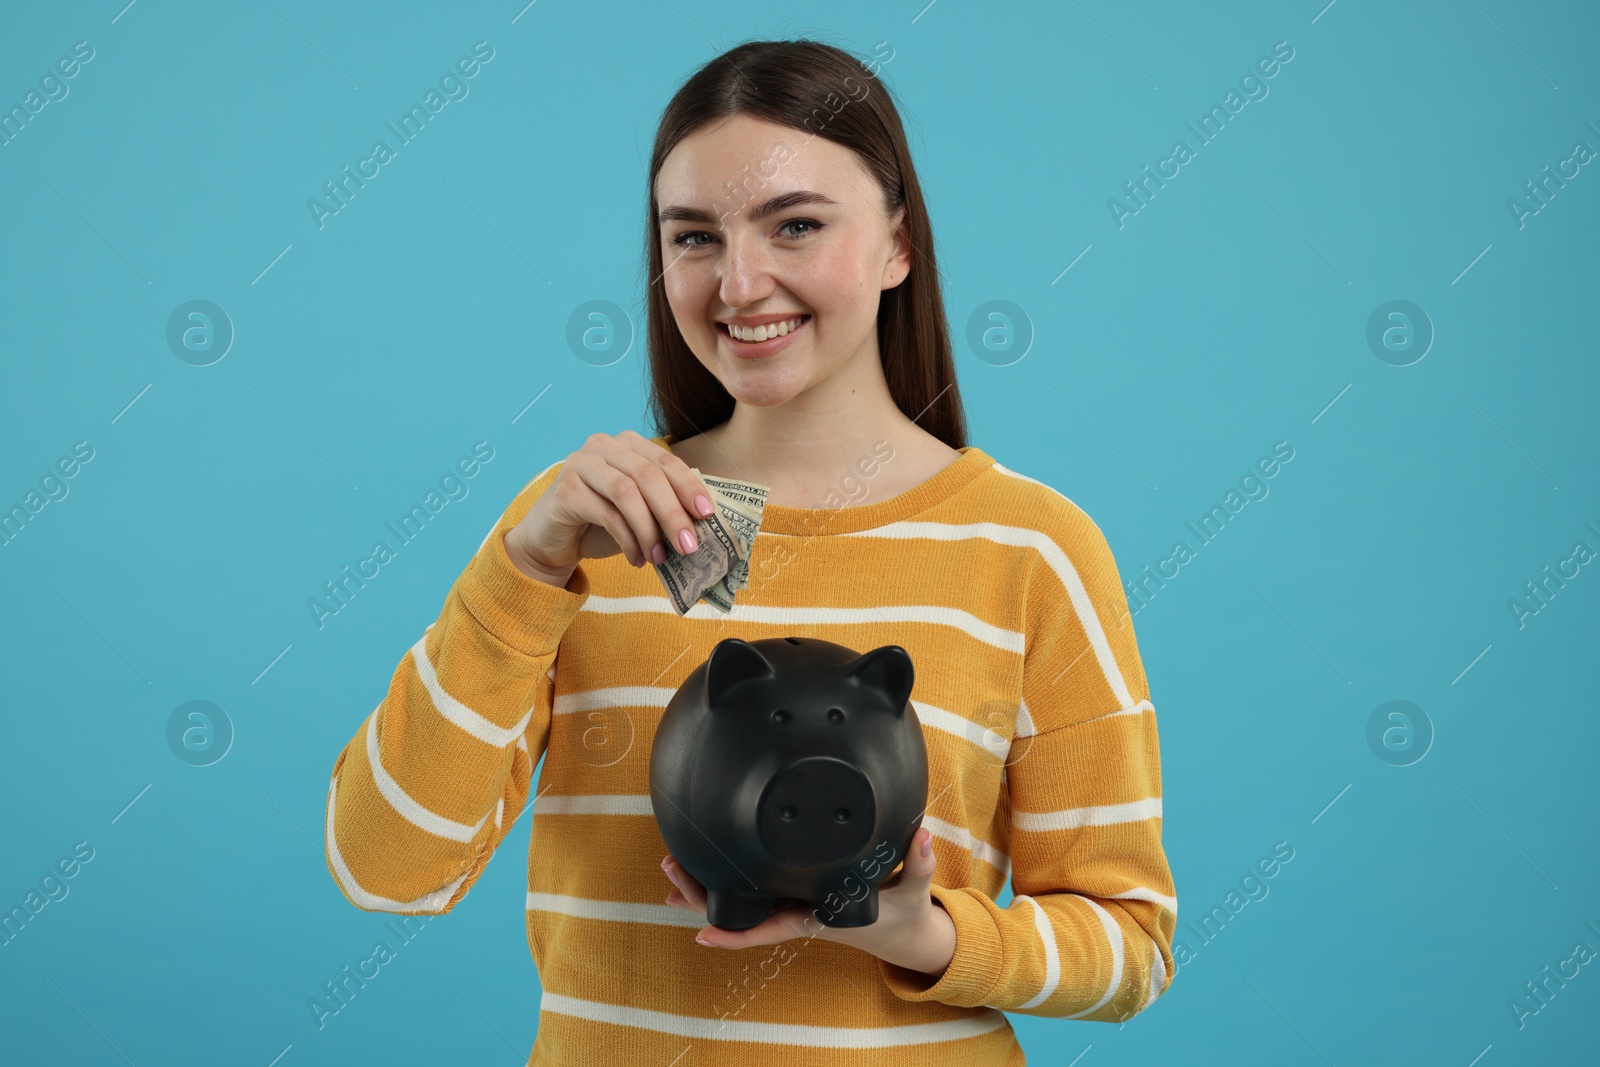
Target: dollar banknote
(746, 500)
(720, 564)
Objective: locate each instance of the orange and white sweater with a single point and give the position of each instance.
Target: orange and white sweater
(1043, 765)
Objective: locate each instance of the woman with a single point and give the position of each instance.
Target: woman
(783, 195)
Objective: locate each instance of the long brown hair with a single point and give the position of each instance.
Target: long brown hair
(822, 90)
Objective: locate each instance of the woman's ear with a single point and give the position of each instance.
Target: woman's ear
(899, 264)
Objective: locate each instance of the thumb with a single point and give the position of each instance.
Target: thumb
(920, 864)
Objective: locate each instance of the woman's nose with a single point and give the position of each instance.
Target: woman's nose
(746, 272)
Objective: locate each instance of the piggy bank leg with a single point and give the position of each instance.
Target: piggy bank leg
(863, 912)
(736, 911)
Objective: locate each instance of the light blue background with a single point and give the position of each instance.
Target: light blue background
(1227, 315)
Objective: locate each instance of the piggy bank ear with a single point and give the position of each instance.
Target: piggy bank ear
(888, 671)
(733, 661)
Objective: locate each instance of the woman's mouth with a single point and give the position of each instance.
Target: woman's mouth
(749, 342)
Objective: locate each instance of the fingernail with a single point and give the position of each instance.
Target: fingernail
(704, 505)
(703, 941)
(664, 861)
(658, 552)
(686, 539)
(927, 845)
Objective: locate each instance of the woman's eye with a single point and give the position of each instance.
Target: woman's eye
(812, 226)
(682, 238)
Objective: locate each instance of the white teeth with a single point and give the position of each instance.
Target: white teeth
(765, 332)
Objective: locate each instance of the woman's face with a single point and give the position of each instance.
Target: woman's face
(822, 254)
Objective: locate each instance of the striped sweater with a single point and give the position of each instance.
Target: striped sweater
(1043, 766)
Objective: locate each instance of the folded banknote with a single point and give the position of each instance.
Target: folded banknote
(720, 564)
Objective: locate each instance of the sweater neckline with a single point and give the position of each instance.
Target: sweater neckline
(852, 518)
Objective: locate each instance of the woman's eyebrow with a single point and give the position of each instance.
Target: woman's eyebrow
(781, 202)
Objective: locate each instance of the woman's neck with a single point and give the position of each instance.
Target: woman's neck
(806, 459)
(842, 438)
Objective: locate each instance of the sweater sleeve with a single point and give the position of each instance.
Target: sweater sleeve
(435, 776)
(1088, 933)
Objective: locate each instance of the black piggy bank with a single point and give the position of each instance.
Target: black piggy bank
(790, 767)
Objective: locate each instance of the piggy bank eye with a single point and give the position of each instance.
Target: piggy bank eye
(780, 716)
(835, 716)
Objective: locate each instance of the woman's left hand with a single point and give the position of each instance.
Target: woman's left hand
(913, 930)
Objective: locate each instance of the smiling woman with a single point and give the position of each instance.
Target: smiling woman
(796, 330)
(786, 293)
(769, 299)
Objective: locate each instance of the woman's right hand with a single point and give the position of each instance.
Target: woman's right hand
(615, 494)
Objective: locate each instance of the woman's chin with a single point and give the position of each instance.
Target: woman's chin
(765, 398)
(759, 389)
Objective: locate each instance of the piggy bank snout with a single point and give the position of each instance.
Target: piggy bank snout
(816, 811)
